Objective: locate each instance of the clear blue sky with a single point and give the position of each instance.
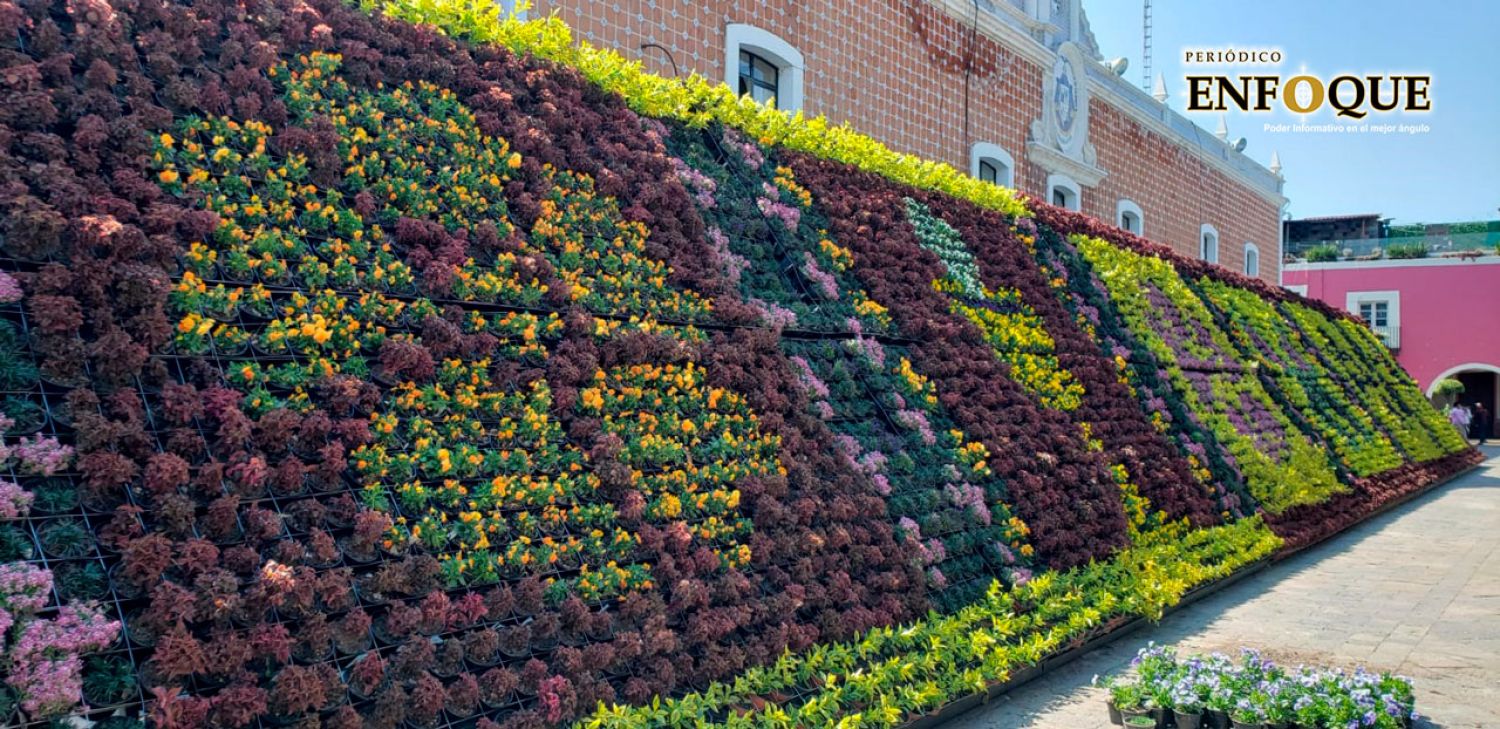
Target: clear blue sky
(1449, 174)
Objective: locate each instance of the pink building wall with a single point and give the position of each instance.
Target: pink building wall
(1448, 310)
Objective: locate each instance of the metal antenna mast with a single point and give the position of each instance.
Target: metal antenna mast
(1146, 47)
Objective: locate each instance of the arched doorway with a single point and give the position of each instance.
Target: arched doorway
(1481, 384)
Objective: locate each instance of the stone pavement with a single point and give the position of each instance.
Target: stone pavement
(1415, 591)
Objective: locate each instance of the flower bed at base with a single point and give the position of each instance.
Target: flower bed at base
(1253, 693)
(354, 375)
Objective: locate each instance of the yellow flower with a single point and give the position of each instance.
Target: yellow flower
(168, 176)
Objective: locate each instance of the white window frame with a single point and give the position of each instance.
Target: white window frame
(1298, 289)
(1128, 207)
(787, 59)
(1072, 191)
(1205, 252)
(1251, 248)
(1391, 332)
(1005, 165)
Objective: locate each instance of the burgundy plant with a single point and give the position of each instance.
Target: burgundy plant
(496, 685)
(296, 690)
(463, 695)
(367, 673)
(427, 700)
(352, 632)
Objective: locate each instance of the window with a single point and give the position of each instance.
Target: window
(758, 77)
(991, 163)
(1298, 289)
(1252, 260)
(1063, 192)
(1377, 314)
(1208, 243)
(1380, 310)
(762, 65)
(1129, 217)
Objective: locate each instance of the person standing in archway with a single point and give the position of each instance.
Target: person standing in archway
(1481, 423)
(1460, 417)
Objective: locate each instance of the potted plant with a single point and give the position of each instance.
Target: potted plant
(108, 680)
(366, 674)
(351, 634)
(463, 696)
(496, 686)
(483, 647)
(426, 703)
(450, 658)
(295, 691)
(1247, 714)
(1128, 698)
(1187, 707)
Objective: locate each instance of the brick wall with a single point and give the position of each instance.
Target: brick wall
(894, 70)
(1177, 192)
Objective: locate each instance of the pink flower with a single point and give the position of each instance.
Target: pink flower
(772, 315)
(15, 502)
(42, 456)
(10, 289)
(822, 281)
(46, 664)
(24, 589)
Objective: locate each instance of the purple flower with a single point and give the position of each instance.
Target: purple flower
(43, 456)
(15, 502)
(748, 150)
(701, 185)
(773, 315)
(823, 282)
(10, 289)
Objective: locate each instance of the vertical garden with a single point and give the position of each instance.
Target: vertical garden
(407, 366)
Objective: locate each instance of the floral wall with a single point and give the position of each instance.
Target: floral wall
(356, 375)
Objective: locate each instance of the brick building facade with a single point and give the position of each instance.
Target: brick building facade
(1017, 83)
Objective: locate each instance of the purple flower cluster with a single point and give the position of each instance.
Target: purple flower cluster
(863, 346)
(731, 263)
(41, 455)
(917, 420)
(773, 315)
(15, 502)
(24, 589)
(10, 289)
(747, 150)
(701, 185)
(816, 389)
(928, 551)
(968, 496)
(771, 206)
(823, 282)
(1255, 690)
(47, 663)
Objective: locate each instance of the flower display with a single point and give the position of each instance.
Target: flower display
(1282, 467)
(1009, 325)
(355, 373)
(1254, 689)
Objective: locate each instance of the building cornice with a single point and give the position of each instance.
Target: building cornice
(1013, 29)
(1118, 95)
(1007, 33)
